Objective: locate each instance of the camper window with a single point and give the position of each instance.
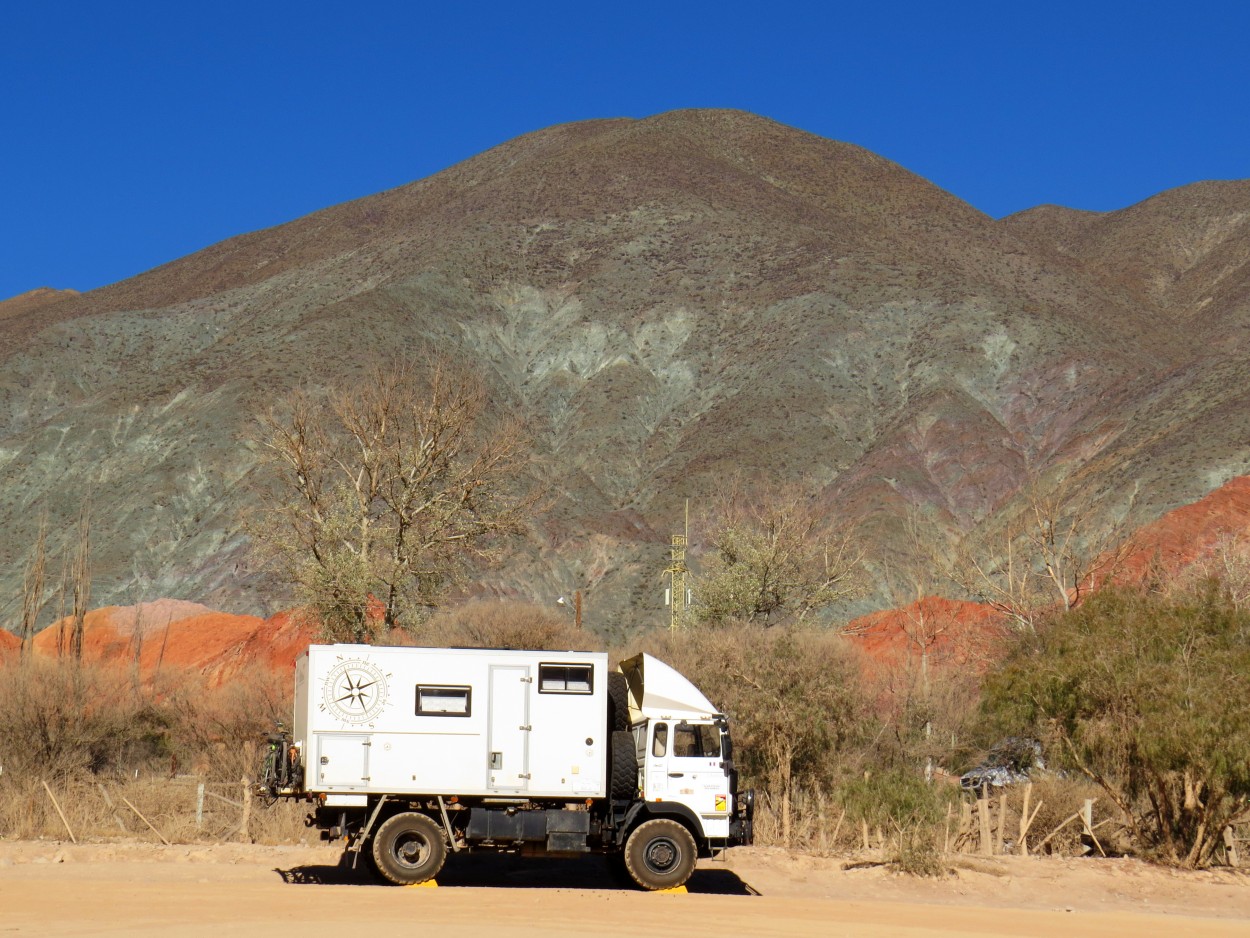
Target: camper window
(443, 701)
(565, 678)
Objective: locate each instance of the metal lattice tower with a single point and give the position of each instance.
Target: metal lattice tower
(679, 594)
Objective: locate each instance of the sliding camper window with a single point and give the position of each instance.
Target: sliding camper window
(435, 700)
(566, 678)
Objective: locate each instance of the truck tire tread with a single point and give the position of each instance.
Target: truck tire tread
(623, 763)
(408, 848)
(618, 702)
(660, 854)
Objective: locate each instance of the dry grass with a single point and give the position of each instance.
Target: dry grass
(97, 810)
(94, 738)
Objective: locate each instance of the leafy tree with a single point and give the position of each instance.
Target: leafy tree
(794, 695)
(774, 557)
(1149, 696)
(383, 492)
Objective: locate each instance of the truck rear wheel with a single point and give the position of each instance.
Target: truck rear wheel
(660, 854)
(409, 848)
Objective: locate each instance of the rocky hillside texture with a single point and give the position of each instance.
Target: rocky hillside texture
(667, 302)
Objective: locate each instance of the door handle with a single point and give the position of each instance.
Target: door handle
(676, 774)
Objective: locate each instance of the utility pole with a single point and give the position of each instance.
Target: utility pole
(678, 592)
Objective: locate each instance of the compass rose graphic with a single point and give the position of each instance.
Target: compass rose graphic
(354, 691)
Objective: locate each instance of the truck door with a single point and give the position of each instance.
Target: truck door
(509, 730)
(692, 769)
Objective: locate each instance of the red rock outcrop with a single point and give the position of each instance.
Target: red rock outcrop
(952, 633)
(1191, 534)
(171, 634)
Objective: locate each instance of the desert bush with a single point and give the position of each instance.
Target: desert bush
(918, 854)
(793, 693)
(63, 719)
(108, 808)
(214, 731)
(97, 735)
(484, 624)
(1149, 697)
(897, 799)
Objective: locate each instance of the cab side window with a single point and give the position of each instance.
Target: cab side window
(659, 745)
(699, 742)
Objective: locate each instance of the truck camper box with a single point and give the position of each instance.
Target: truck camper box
(406, 754)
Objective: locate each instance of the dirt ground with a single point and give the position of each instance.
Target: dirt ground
(53, 889)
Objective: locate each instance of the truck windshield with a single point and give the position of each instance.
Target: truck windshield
(700, 740)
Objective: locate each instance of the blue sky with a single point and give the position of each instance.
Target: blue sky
(134, 133)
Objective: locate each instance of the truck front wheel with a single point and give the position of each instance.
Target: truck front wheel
(660, 854)
(409, 848)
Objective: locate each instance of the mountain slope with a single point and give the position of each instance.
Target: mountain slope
(667, 302)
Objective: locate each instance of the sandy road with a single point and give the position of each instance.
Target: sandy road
(258, 891)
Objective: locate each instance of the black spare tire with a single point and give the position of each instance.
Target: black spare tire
(623, 766)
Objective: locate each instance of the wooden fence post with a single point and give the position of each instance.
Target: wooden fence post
(244, 834)
(249, 758)
(946, 841)
(144, 820)
(199, 806)
(1002, 822)
(113, 808)
(68, 829)
(1026, 819)
(983, 814)
(1087, 818)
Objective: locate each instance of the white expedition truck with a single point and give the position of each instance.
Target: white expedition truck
(410, 752)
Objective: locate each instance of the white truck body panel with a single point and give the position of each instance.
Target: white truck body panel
(658, 691)
(441, 721)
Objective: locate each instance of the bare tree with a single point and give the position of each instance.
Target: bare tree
(80, 580)
(774, 556)
(1053, 552)
(384, 492)
(33, 598)
(1226, 562)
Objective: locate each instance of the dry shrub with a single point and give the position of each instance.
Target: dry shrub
(216, 730)
(99, 737)
(485, 624)
(61, 720)
(1060, 797)
(918, 852)
(799, 717)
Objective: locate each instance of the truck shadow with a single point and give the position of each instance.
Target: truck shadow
(514, 872)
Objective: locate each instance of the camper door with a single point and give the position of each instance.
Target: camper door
(509, 732)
